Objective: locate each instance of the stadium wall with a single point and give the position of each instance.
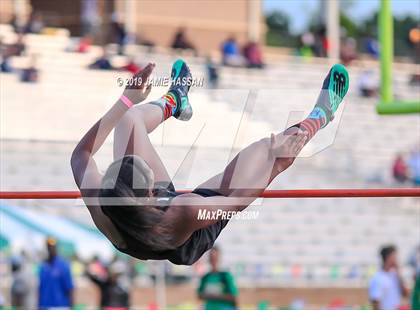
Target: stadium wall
(206, 23)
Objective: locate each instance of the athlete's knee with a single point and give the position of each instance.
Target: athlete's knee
(132, 118)
(127, 118)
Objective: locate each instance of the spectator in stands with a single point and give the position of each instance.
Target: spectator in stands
(230, 53)
(212, 73)
(368, 83)
(414, 166)
(103, 62)
(114, 294)
(131, 66)
(35, 23)
(307, 44)
(415, 79)
(217, 288)
(120, 35)
(14, 22)
(321, 42)
(55, 280)
(18, 47)
(372, 47)
(414, 42)
(89, 17)
(181, 42)
(253, 55)
(413, 37)
(348, 51)
(84, 44)
(5, 65)
(414, 262)
(386, 288)
(30, 74)
(399, 169)
(20, 288)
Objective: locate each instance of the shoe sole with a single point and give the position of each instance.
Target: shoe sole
(186, 112)
(338, 86)
(176, 68)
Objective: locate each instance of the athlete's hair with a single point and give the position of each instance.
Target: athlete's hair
(124, 198)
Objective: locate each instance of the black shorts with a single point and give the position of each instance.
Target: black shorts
(201, 240)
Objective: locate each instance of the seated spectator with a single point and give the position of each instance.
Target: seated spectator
(14, 49)
(372, 47)
(230, 53)
(89, 17)
(368, 84)
(307, 44)
(84, 44)
(35, 23)
(212, 73)
(16, 23)
(30, 74)
(399, 169)
(253, 55)
(414, 42)
(18, 47)
(321, 44)
(120, 35)
(5, 66)
(414, 166)
(102, 63)
(415, 79)
(180, 41)
(348, 51)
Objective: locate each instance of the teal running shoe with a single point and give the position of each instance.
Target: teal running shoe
(334, 88)
(181, 80)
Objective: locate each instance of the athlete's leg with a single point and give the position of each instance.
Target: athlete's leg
(131, 134)
(131, 137)
(253, 169)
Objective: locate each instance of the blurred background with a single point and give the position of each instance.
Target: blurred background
(60, 65)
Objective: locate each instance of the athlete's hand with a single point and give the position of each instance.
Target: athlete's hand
(137, 88)
(285, 148)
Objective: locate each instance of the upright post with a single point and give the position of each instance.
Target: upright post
(386, 38)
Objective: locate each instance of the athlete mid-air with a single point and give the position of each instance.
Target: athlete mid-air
(135, 205)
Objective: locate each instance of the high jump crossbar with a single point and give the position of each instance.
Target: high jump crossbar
(292, 193)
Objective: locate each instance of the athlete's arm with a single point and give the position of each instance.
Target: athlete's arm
(82, 158)
(85, 171)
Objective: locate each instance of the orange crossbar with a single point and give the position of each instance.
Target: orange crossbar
(294, 193)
